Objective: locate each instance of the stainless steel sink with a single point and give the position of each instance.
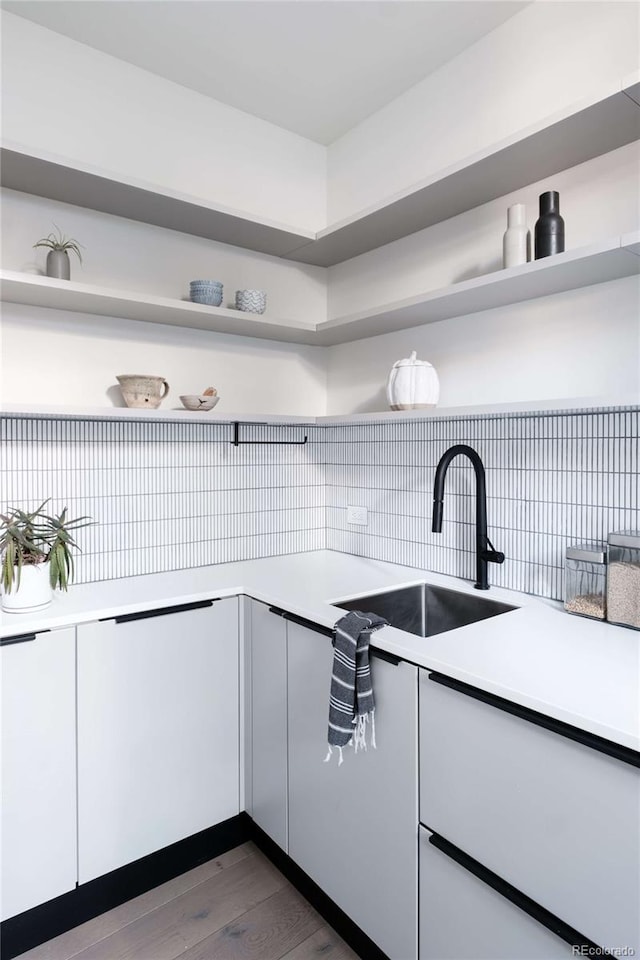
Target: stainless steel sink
(425, 610)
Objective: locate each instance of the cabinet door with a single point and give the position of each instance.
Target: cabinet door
(353, 828)
(38, 770)
(461, 918)
(555, 818)
(269, 722)
(158, 732)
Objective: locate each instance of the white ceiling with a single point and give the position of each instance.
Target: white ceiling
(315, 67)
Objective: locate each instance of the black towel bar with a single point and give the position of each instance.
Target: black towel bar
(267, 443)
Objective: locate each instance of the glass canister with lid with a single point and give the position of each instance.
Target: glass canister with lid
(623, 589)
(585, 582)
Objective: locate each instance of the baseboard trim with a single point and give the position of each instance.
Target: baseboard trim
(356, 938)
(48, 920)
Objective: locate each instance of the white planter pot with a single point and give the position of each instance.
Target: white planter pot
(58, 264)
(33, 593)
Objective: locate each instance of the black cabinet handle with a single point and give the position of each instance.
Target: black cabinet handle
(601, 744)
(18, 638)
(329, 632)
(302, 622)
(520, 900)
(160, 611)
(383, 655)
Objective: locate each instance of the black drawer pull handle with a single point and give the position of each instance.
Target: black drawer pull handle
(302, 622)
(17, 638)
(520, 900)
(601, 744)
(383, 655)
(328, 632)
(161, 611)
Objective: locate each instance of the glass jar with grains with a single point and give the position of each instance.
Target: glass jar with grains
(585, 580)
(623, 589)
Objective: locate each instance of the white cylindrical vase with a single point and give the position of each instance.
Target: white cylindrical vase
(33, 593)
(516, 243)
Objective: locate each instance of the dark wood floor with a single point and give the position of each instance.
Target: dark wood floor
(237, 907)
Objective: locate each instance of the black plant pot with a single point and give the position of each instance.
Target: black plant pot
(549, 229)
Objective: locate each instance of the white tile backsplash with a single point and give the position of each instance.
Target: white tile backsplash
(168, 496)
(178, 495)
(552, 480)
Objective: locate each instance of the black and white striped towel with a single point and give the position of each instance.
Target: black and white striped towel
(351, 703)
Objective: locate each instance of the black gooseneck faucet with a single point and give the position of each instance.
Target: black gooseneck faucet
(485, 551)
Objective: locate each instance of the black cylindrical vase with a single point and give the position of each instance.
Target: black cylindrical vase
(549, 229)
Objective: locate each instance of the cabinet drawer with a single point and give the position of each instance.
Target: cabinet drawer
(461, 918)
(555, 818)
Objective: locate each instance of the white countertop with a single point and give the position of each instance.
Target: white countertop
(576, 670)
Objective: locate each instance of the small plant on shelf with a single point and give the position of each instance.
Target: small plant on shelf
(36, 555)
(58, 264)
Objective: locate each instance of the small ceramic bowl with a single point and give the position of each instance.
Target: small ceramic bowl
(251, 301)
(206, 291)
(193, 402)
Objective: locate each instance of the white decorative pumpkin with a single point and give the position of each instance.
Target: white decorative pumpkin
(413, 385)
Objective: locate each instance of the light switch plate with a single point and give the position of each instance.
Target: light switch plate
(359, 515)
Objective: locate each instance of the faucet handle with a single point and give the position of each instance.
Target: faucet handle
(492, 555)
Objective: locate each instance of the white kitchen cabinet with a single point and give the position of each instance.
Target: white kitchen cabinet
(38, 707)
(462, 918)
(269, 722)
(158, 730)
(555, 817)
(353, 828)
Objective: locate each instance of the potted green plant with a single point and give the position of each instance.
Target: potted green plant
(36, 556)
(58, 264)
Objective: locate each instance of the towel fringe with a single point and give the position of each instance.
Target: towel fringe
(359, 739)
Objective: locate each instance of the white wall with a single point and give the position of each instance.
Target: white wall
(547, 57)
(54, 357)
(584, 343)
(65, 98)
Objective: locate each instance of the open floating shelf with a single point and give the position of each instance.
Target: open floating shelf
(75, 297)
(57, 178)
(593, 127)
(597, 263)
(64, 412)
(566, 405)
(583, 131)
